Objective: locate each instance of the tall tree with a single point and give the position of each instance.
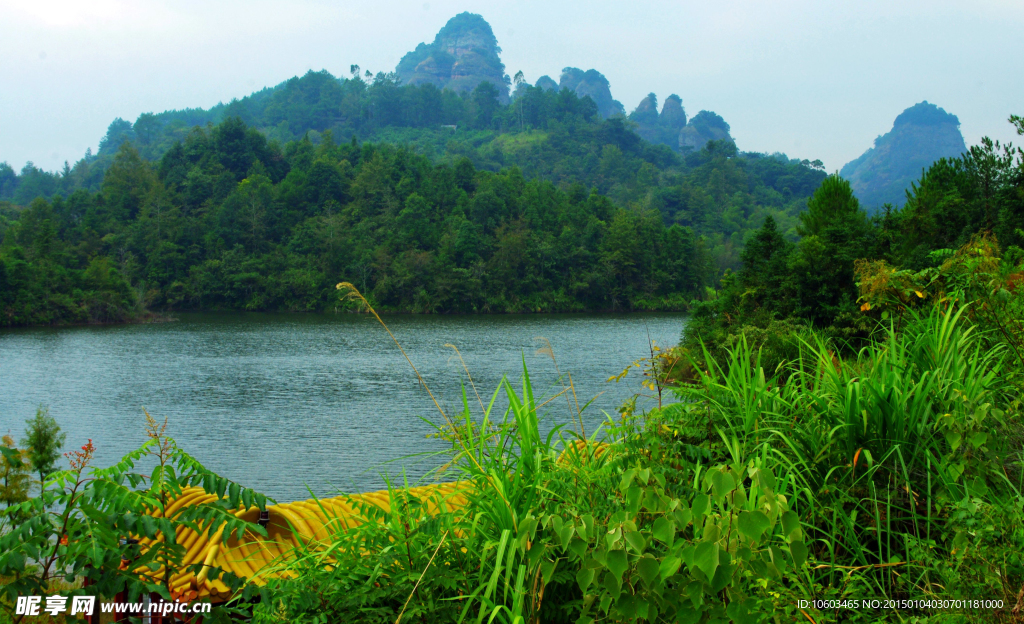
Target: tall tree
(43, 441)
(831, 204)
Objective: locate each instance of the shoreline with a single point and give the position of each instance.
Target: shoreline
(168, 317)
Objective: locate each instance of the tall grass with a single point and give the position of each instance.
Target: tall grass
(894, 453)
(892, 473)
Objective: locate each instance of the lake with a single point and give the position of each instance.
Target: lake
(290, 404)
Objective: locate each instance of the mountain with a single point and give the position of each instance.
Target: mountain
(705, 126)
(671, 127)
(464, 54)
(664, 128)
(593, 84)
(570, 131)
(546, 83)
(920, 135)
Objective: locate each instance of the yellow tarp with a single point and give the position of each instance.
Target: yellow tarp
(294, 524)
(289, 525)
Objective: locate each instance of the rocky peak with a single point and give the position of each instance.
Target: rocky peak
(546, 83)
(591, 83)
(464, 53)
(672, 113)
(705, 126)
(646, 112)
(920, 135)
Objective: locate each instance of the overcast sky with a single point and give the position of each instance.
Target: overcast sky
(813, 79)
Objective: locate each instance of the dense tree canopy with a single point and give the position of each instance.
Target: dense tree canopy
(228, 220)
(815, 282)
(536, 205)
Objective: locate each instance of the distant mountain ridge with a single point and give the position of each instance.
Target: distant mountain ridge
(672, 128)
(920, 135)
(433, 87)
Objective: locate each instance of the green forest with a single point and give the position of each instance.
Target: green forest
(829, 277)
(538, 205)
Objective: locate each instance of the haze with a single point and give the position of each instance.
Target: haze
(810, 79)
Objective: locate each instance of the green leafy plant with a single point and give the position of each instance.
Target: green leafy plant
(81, 535)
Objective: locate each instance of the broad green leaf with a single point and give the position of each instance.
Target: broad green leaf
(686, 554)
(617, 563)
(799, 552)
(778, 558)
(695, 591)
(649, 569)
(652, 502)
(613, 537)
(743, 612)
(585, 577)
(766, 479)
(953, 439)
(753, 524)
(669, 566)
(613, 584)
(627, 480)
(711, 532)
(722, 578)
(689, 615)
(790, 523)
(578, 546)
(721, 484)
(633, 495)
(636, 541)
(547, 570)
(588, 525)
(664, 531)
(565, 534)
(700, 506)
(705, 557)
(642, 608)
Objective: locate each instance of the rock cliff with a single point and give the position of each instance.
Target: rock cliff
(546, 83)
(464, 54)
(663, 128)
(705, 126)
(591, 83)
(920, 135)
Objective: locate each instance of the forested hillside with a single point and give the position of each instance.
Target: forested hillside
(960, 218)
(432, 199)
(230, 220)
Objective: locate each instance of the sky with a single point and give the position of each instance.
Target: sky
(808, 78)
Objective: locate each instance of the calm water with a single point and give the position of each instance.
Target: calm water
(282, 402)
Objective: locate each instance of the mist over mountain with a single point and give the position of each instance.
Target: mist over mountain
(920, 135)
